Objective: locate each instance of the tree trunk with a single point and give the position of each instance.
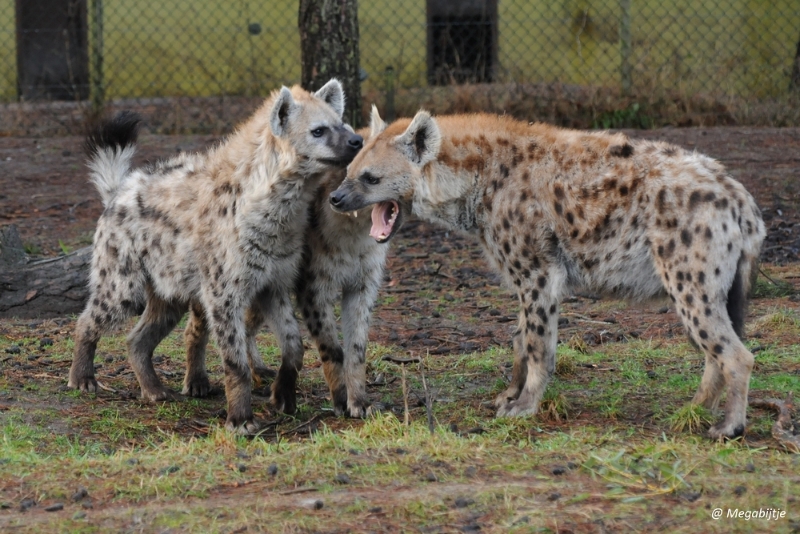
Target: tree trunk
(44, 288)
(329, 49)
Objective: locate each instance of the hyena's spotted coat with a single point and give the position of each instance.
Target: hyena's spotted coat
(216, 230)
(341, 263)
(561, 209)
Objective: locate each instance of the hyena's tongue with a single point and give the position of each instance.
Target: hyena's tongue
(383, 217)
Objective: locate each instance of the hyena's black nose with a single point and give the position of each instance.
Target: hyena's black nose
(336, 198)
(355, 141)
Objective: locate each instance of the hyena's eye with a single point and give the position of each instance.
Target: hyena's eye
(318, 132)
(371, 179)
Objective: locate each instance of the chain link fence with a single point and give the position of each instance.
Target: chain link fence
(202, 65)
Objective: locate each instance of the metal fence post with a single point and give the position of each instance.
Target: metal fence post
(96, 23)
(389, 109)
(625, 45)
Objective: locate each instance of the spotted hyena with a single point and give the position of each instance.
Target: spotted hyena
(219, 230)
(558, 210)
(341, 263)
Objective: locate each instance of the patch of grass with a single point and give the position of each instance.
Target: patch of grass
(630, 117)
(602, 447)
(780, 318)
(612, 409)
(577, 344)
(115, 426)
(655, 469)
(554, 406)
(32, 249)
(566, 364)
(770, 289)
(691, 418)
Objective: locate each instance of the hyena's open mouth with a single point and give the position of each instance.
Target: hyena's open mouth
(385, 222)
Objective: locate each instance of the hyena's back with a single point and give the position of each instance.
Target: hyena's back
(618, 217)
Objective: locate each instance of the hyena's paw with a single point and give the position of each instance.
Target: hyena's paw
(339, 401)
(284, 399)
(523, 405)
(197, 386)
(509, 395)
(726, 430)
(360, 408)
(246, 427)
(86, 383)
(160, 395)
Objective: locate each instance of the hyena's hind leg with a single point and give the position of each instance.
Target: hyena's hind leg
(356, 309)
(157, 321)
(705, 306)
(101, 315)
(254, 320)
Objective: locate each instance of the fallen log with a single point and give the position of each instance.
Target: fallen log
(45, 288)
(783, 429)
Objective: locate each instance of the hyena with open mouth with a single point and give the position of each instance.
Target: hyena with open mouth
(219, 230)
(557, 210)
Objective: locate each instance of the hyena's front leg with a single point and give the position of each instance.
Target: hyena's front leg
(356, 308)
(196, 382)
(277, 309)
(157, 321)
(534, 347)
(195, 336)
(317, 305)
(226, 323)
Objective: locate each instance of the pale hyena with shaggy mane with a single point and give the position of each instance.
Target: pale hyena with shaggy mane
(219, 230)
(341, 264)
(557, 210)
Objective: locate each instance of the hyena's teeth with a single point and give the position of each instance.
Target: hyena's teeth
(355, 214)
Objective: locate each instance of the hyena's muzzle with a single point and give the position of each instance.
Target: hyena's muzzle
(387, 214)
(345, 143)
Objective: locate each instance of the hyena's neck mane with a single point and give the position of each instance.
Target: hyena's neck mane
(451, 187)
(263, 173)
(262, 169)
(259, 159)
(478, 155)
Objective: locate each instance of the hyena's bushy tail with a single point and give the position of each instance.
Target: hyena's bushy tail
(754, 232)
(110, 148)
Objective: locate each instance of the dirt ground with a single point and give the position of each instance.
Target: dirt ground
(439, 297)
(45, 192)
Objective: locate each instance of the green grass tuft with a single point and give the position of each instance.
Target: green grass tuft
(691, 418)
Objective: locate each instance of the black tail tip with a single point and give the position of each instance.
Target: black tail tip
(117, 133)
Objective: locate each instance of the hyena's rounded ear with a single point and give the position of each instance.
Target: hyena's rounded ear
(376, 123)
(422, 139)
(279, 114)
(332, 94)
